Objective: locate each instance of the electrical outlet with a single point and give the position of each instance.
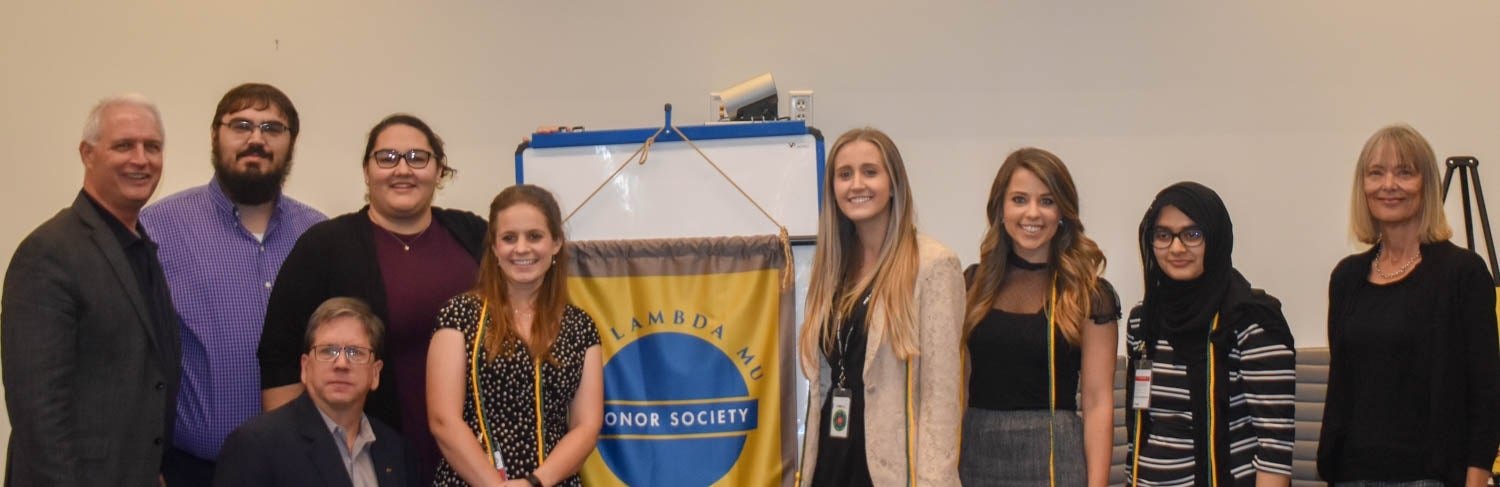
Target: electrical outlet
(800, 105)
(716, 107)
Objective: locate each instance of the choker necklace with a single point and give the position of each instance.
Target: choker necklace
(1015, 260)
(1404, 267)
(405, 244)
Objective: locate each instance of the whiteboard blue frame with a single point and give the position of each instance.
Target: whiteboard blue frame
(693, 132)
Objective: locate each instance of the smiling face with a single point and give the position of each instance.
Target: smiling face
(340, 385)
(1178, 260)
(122, 168)
(401, 192)
(524, 247)
(861, 184)
(1031, 215)
(1393, 188)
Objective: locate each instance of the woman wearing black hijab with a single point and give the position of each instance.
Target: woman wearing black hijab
(1212, 358)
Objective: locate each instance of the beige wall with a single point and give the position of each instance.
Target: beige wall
(1268, 102)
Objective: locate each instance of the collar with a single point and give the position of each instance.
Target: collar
(1015, 260)
(117, 227)
(366, 433)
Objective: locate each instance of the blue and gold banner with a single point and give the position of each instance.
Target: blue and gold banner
(697, 337)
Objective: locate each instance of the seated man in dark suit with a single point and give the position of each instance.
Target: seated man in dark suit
(323, 437)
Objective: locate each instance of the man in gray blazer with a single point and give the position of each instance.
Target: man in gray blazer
(88, 338)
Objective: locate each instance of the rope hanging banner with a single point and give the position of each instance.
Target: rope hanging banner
(644, 151)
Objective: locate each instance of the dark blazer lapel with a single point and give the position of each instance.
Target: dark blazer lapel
(109, 246)
(322, 451)
(386, 455)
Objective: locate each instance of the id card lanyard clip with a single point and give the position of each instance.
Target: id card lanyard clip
(1140, 398)
(839, 406)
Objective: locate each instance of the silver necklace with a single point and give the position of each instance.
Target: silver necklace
(405, 244)
(1399, 272)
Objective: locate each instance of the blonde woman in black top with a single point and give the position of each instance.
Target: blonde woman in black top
(1411, 333)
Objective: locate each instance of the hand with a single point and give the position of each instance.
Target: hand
(521, 482)
(1478, 477)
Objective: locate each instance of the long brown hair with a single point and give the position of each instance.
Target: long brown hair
(892, 284)
(552, 296)
(1074, 257)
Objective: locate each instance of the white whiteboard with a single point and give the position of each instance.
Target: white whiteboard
(676, 193)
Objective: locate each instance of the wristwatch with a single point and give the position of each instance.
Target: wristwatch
(531, 479)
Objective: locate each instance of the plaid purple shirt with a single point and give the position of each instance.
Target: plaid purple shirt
(220, 278)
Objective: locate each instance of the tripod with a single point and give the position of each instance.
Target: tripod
(1466, 166)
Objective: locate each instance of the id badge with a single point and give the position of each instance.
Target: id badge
(838, 414)
(500, 466)
(1141, 399)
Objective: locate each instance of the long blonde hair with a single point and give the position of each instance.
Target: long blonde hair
(552, 297)
(1410, 148)
(892, 284)
(1074, 257)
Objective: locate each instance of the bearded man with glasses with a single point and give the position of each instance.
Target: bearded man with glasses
(323, 437)
(221, 245)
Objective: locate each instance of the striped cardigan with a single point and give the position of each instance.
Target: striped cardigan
(1254, 387)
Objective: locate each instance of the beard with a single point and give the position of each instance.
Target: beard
(251, 187)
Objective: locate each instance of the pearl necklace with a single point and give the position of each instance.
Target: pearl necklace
(1399, 272)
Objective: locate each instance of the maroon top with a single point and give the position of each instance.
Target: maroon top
(418, 280)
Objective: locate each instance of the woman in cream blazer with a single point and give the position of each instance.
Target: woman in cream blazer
(881, 339)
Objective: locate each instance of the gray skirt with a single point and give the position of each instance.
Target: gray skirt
(1009, 448)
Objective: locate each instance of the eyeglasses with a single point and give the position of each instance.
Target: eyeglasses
(246, 127)
(1190, 237)
(356, 355)
(388, 158)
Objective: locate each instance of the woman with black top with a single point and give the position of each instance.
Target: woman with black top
(884, 312)
(402, 255)
(1040, 321)
(1212, 360)
(1411, 334)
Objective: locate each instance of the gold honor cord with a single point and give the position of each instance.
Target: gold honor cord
(1213, 464)
(479, 400)
(911, 428)
(1135, 469)
(541, 454)
(484, 433)
(1051, 385)
(1212, 461)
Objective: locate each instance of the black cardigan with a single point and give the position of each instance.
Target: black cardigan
(337, 258)
(1462, 427)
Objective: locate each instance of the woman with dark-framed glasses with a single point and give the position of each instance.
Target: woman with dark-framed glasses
(1212, 359)
(401, 255)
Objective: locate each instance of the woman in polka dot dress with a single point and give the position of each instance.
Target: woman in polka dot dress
(531, 359)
